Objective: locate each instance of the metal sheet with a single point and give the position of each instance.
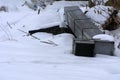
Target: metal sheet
(104, 47)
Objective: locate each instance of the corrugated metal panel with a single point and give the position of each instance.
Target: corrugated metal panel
(104, 47)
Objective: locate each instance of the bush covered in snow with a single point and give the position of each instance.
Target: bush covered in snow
(104, 16)
(99, 14)
(38, 4)
(96, 2)
(114, 3)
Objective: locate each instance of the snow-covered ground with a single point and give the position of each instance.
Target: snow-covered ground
(25, 58)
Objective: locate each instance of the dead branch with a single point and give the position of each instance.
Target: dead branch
(46, 42)
(9, 25)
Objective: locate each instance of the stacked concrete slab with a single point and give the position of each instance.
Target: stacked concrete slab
(84, 30)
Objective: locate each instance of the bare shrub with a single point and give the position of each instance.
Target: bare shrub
(4, 8)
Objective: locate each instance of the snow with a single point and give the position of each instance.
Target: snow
(116, 34)
(104, 37)
(99, 14)
(24, 58)
(98, 1)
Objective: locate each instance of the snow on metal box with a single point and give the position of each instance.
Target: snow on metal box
(104, 47)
